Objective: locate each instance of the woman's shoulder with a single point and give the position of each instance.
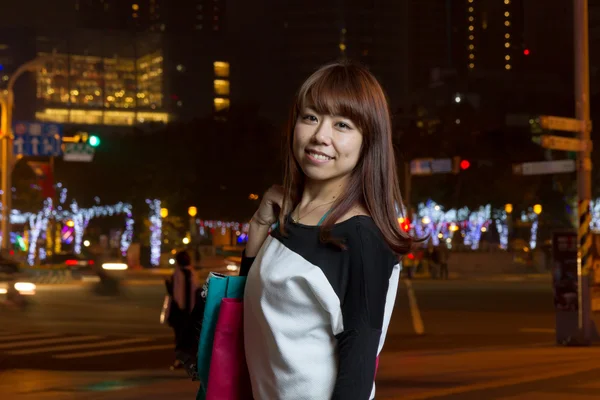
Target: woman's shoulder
(363, 234)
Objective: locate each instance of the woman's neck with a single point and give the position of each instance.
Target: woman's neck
(320, 192)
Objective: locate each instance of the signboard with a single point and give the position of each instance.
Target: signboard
(78, 152)
(560, 123)
(37, 139)
(566, 144)
(428, 166)
(544, 167)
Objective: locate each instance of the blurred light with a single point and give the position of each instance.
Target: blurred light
(453, 228)
(471, 65)
(171, 261)
(465, 164)
(186, 240)
(526, 52)
(537, 209)
(471, 27)
(426, 220)
(507, 57)
(25, 287)
(192, 211)
(457, 121)
(506, 1)
(164, 213)
(342, 47)
(508, 208)
(507, 36)
(232, 267)
(448, 240)
(507, 14)
(507, 45)
(483, 229)
(3, 291)
(440, 235)
(411, 256)
(94, 141)
(114, 266)
(70, 223)
(135, 7)
(86, 243)
(457, 99)
(437, 208)
(506, 23)
(507, 66)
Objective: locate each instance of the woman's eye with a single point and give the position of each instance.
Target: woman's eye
(310, 118)
(343, 125)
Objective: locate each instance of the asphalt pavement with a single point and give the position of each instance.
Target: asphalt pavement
(71, 331)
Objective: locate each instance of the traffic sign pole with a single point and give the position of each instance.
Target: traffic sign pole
(7, 146)
(584, 170)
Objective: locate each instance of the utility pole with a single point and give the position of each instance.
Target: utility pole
(584, 169)
(7, 102)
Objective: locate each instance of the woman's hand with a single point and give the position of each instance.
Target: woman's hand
(263, 218)
(270, 205)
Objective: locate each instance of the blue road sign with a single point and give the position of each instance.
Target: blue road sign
(37, 139)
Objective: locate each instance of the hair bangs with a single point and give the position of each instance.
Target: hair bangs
(335, 92)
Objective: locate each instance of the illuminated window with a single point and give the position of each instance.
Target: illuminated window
(507, 14)
(507, 66)
(471, 27)
(507, 45)
(471, 37)
(471, 19)
(221, 104)
(507, 36)
(507, 23)
(221, 69)
(470, 9)
(507, 57)
(221, 87)
(471, 56)
(471, 47)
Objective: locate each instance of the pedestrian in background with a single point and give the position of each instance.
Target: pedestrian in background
(182, 287)
(321, 285)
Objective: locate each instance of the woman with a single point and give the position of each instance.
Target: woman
(321, 286)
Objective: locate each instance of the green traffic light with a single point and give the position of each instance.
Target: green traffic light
(94, 141)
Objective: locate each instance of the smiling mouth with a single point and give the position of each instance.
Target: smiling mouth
(318, 156)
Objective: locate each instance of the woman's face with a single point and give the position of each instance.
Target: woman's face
(326, 146)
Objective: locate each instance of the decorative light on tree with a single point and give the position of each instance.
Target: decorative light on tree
(155, 231)
(38, 223)
(501, 219)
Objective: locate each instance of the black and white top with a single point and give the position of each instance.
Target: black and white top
(315, 316)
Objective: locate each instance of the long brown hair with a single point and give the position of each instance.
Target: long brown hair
(350, 90)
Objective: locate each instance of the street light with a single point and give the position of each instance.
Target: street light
(164, 213)
(6, 137)
(508, 208)
(537, 209)
(192, 211)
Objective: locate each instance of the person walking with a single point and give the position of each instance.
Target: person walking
(182, 287)
(322, 281)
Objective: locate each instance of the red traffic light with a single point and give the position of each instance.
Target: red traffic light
(526, 52)
(465, 164)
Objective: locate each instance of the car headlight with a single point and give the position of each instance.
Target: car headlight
(25, 287)
(114, 266)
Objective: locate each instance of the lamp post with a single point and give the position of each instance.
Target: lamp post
(192, 212)
(6, 137)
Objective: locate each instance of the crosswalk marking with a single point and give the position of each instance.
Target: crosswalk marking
(109, 343)
(110, 352)
(28, 336)
(48, 341)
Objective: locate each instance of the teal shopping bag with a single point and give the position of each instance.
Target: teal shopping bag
(219, 287)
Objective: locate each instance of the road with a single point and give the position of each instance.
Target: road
(69, 328)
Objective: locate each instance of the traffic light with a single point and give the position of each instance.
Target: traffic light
(526, 52)
(94, 141)
(465, 164)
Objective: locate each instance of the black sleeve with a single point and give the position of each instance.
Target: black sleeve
(363, 309)
(246, 264)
